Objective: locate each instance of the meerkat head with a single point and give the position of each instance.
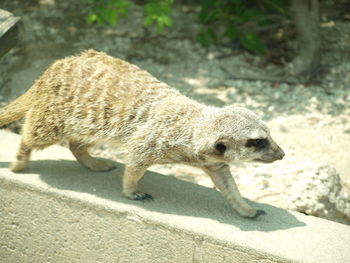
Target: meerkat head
(233, 134)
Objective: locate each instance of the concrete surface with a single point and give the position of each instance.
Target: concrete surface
(57, 211)
(9, 31)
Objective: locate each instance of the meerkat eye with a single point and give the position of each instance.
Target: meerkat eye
(220, 147)
(257, 143)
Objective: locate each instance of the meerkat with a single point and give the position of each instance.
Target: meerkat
(93, 98)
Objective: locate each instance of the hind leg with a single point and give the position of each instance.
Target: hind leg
(22, 158)
(25, 149)
(80, 152)
(35, 135)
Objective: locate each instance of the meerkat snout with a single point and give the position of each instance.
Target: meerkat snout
(266, 150)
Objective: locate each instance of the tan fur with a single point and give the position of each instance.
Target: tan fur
(94, 98)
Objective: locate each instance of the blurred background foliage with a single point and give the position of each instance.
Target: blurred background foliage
(236, 22)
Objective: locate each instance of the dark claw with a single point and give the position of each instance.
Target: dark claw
(148, 197)
(259, 213)
(144, 197)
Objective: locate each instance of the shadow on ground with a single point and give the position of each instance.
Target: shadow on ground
(171, 196)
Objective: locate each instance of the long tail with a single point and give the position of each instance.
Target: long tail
(17, 108)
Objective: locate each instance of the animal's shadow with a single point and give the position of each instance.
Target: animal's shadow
(171, 195)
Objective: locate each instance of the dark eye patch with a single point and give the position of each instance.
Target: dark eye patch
(257, 143)
(220, 147)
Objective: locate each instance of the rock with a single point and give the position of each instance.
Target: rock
(9, 31)
(296, 184)
(318, 192)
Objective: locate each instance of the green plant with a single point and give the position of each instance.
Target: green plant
(158, 12)
(232, 20)
(237, 20)
(108, 11)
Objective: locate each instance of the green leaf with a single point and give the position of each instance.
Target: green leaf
(160, 25)
(92, 17)
(237, 2)
(206, 37)
(277, 6)
(158, 12)
(168, 21)
(148, 21)
(252, 42)
(109, 11)
(251, 13)
(232, 33)
(112, 17)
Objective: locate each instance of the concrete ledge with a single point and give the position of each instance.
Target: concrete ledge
(9, 31)
(57, 211)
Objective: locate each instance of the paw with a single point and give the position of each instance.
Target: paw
(99, 165)
(259, 213)
(18, 166)
(253, 214)
(139, 196)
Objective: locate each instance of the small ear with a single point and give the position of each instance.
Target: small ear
(220, 147)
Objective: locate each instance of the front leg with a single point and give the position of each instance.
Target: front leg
(221, 176)
(132, 175)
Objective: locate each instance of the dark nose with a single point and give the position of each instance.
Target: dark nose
(280, 154)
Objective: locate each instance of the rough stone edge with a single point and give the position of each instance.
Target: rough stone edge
(251, 254)
(10, 31)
